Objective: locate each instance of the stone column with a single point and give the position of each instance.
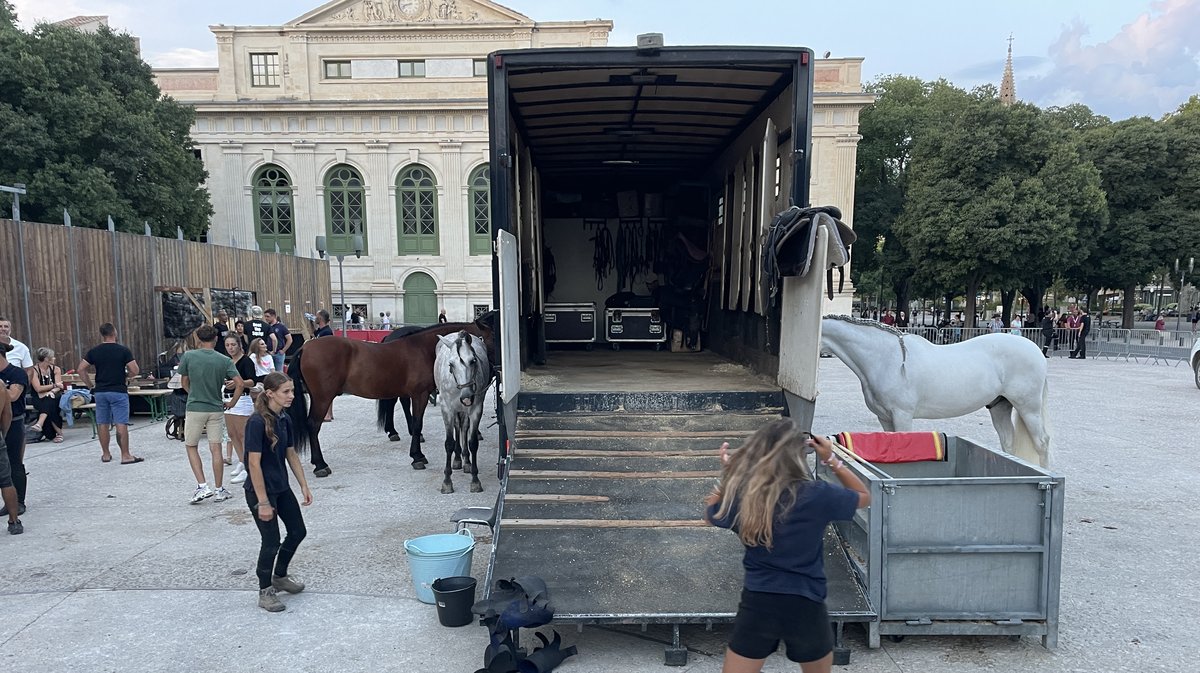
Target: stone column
(309, 213)
(234, 213)
(845, 158)
(452, 229)
(381, 227)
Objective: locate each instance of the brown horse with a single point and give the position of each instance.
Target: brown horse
(402, 368)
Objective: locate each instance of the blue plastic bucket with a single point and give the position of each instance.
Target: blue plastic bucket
(433, 557)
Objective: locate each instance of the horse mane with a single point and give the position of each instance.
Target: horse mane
(877, 325)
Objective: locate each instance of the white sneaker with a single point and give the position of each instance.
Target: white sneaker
(239, 477)
(222, 494)
(201, 493)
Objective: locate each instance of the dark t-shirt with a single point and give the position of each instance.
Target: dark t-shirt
(258, 329)
(109, 359)
(12, 375)
(274, 458)
(795, 564)
(280, 331)
(323, 331)
(222, 332)
(1086, 321)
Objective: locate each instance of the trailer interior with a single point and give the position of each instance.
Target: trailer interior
(641, 181)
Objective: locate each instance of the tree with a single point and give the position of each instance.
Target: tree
(890, 127)
(997, 195)
(84, 126)
(1132, 156)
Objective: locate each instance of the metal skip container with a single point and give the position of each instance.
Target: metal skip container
(971, 545)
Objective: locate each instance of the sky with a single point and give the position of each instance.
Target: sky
(1122, 58)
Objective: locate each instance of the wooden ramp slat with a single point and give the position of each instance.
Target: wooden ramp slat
(529, 524)
(615, 453)
(636, 434)
(552, 497)
(582, 474)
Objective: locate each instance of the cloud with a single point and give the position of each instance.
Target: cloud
(993, 70)
(1148, 68)
(31, 12)
(184, 57)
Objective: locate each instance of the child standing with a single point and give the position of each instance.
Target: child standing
(270, 451)
(767, 496)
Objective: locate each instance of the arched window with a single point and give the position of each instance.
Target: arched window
(273, 216)
(345, 209)
(416, 211)
(480, 200)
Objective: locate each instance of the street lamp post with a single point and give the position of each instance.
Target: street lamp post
(1179, 290)
(358, 247)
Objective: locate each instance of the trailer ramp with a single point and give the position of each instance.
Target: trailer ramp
(605, 505)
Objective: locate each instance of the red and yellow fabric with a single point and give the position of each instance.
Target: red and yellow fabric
(894, 447)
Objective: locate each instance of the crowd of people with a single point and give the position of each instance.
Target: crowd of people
(235, 388)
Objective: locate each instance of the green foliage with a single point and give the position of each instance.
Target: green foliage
(84, 126)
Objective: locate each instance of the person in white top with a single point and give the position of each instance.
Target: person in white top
(385, 320)
(19, 355)
(260, 355)
(1016, 325)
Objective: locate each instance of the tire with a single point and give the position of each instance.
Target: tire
(1196, 371)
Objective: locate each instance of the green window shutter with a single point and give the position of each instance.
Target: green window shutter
(416, 212)
(480, 210)
(274, 217)
(345, 210)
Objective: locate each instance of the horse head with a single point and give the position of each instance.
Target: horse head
(463, 365)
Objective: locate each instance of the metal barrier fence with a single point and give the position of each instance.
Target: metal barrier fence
(1139, 345)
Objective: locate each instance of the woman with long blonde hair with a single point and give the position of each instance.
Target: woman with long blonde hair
(767, 496)
(270, 452)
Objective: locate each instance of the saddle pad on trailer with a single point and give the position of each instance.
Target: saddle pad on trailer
(894, 447)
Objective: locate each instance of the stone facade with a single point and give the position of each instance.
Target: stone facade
(394, 90)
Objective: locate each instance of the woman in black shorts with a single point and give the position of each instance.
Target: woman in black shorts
(768, 497)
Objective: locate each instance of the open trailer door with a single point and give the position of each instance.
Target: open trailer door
(510, 337)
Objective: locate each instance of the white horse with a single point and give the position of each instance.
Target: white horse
(462, 372)
(903, 377)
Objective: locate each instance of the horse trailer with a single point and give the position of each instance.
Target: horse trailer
(644, 180)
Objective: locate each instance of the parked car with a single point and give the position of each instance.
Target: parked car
(1194, 359)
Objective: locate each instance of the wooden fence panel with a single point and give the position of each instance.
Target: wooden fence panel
(123, 270)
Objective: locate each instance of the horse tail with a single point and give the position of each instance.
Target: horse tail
(298, 411)
(1025, 445)
(383, 411)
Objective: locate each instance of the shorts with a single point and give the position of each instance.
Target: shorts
(244, 406)
(5, 467)
(112, 408)
(197, 422)
(765, 619)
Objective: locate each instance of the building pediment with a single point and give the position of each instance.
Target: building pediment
(409, 12)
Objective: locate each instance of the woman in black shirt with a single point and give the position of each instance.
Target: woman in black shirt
(269, 453)
(237, 415)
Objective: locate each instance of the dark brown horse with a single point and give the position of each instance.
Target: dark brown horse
(402, 368)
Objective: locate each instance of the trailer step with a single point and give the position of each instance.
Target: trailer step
(559, 524)
(659, 422)
(599, 474)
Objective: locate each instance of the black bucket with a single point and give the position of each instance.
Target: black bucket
(454, 597)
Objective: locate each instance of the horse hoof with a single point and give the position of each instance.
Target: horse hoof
(476, 487)
(447, 488)
(393, 437)
(457, 464)
(422, 439)
(418, 465)
(322, 471)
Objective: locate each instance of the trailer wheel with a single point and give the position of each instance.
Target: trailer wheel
(1196, 370)
(896, 639)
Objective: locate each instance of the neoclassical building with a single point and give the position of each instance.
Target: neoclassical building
(369, 117)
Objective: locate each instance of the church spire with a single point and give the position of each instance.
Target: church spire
(1008, 91)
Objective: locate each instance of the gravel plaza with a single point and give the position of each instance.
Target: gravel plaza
(117, 572)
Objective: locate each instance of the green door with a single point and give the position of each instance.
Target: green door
(420, 300)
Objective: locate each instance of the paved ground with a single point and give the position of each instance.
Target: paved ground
(116, 572)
